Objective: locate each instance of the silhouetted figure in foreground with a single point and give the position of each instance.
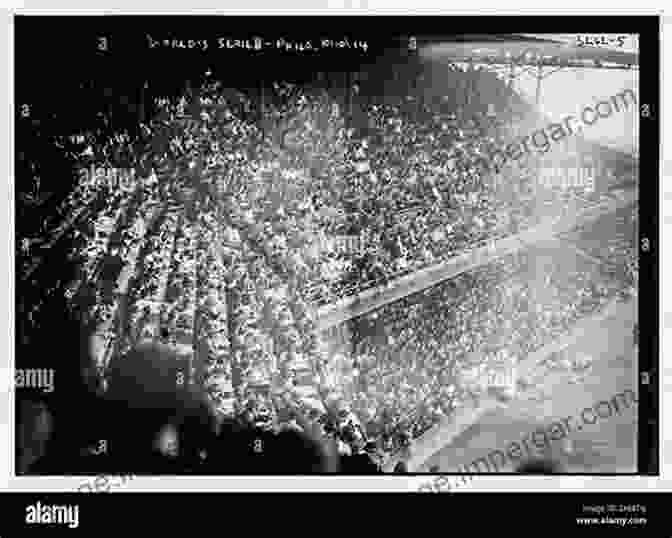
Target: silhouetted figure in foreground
(152, 421)
(358, 464)
(401, 468)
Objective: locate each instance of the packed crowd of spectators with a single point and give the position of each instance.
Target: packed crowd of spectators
(406, 363)
(237, 256)
(408, 179)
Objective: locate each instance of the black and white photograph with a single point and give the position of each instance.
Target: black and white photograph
(362, 245)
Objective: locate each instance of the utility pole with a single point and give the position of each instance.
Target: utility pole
(142, 110)
(512, 73)
(262, 100)
(539, 79)
(348, 95)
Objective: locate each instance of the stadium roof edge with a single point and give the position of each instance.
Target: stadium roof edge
(496, 51)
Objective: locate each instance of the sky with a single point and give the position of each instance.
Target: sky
(570, 90)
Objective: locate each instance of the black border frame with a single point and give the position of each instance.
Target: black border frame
(647, 26)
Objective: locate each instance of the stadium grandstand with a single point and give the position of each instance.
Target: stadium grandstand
(330, 243)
